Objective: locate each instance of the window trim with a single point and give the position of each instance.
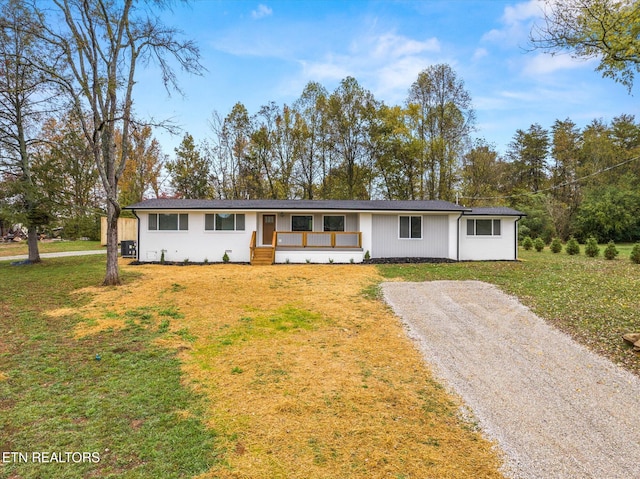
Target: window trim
(494, 221)
(215, 228)
(344, 223)
(410, 237)
(182, 222)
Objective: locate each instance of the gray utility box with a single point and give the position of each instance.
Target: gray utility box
(128, 249)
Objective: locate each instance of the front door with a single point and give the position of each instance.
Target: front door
(268, 228)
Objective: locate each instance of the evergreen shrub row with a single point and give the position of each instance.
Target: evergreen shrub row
(572, 247)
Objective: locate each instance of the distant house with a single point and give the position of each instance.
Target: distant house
(306, 231)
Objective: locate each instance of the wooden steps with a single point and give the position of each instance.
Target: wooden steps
(262, 257)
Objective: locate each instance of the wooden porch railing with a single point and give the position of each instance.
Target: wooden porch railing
(313, 239)
(252, 246)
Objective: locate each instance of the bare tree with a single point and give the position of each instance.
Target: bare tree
(102, 43)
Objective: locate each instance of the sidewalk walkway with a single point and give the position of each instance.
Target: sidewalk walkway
(62, 254)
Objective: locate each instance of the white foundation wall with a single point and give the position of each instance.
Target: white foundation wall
(489, 248)
(319, 257)
(196, 244)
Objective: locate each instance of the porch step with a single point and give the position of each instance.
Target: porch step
(262, 257)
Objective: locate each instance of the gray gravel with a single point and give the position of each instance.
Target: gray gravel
(556, 409)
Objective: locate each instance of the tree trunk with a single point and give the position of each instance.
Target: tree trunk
(32, 242)
(112, 277)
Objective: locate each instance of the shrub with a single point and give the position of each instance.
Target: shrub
(538, 244)
(556, 245)
(225, 257)
(527, 243)
(610, 252)
(635, 254)
(591, 249)
(572, 246)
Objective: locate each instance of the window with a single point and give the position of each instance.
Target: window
(411, 227)
(301, 223)
(333, 223)
(168, 222)
(224, 222)
(483, 227)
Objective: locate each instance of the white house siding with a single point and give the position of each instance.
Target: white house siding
(196, 244)
(489, 248)
(386, 243)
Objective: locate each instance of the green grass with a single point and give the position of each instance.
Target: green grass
(594, 300)
(12, 249)
(113, 393)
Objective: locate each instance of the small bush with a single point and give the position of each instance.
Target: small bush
(556, 245)
(572, 247)
(538, 244)
(610, 252)
(591, 249)
(225, 258)
(635, 254)
(527, 243)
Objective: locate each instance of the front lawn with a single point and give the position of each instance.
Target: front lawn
(297, 372)
(113, 400)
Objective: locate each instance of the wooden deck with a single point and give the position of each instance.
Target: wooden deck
(307, 240)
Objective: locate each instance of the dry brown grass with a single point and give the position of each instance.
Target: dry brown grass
(305, 376)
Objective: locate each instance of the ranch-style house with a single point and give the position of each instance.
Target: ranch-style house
(311, 231)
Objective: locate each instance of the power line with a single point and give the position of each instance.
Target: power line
(551, 188)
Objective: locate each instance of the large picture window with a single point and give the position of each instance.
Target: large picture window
(224, 222)
(483, 227)
(168, 221)
(301, 223)
(411, 227)
(333, 223)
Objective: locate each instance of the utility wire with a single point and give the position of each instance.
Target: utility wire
(551, 188)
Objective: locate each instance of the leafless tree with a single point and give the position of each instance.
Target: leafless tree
(102, 44)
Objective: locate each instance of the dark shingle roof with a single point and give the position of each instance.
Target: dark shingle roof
(347, 205)
(494, 211)
(320, 205)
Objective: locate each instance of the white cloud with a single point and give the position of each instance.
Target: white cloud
(544, 64)
(390, 45)
(517, 21)
(330, 68)
(480, 53)
(522, 11)
(386, 63)
(261, 12)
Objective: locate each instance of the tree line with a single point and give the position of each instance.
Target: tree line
(569, 180)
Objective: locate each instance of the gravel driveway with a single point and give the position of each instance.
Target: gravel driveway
(556, 409)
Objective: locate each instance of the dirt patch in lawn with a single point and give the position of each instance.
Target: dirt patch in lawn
(307, 374)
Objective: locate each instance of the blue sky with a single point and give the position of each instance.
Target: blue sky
(261, 51)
